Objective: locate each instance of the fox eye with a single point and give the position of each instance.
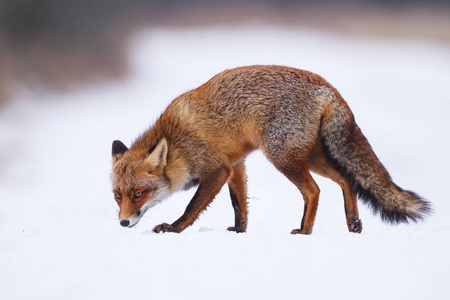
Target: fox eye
(138, 195)
(118, 196)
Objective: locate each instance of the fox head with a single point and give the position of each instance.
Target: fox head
(138, 180)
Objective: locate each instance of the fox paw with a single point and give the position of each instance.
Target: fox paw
(300, 231)
(236, 229)
(164, 227)
(355, 226)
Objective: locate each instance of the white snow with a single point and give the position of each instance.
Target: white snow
(59, 233)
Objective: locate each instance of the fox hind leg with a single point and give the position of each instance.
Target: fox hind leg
(319, 165)
(289, 152)
(296, 170)
(351, 209)
(238, 192)
(310, 191)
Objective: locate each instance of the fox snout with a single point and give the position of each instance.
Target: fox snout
(124, 223)
(129, 221)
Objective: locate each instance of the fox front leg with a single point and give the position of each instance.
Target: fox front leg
(209, 187)
(238, 193)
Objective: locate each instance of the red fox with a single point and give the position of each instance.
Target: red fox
(299, 121)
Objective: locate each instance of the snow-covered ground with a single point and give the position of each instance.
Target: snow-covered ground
(59, 234)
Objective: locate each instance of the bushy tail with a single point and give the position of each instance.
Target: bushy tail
(351, 154)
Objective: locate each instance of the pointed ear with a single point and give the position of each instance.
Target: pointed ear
(157, 158)
(118, 149)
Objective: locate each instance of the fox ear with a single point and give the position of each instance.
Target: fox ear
(157, 157)
(118, 149)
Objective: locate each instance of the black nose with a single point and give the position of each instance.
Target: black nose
(125, 223)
